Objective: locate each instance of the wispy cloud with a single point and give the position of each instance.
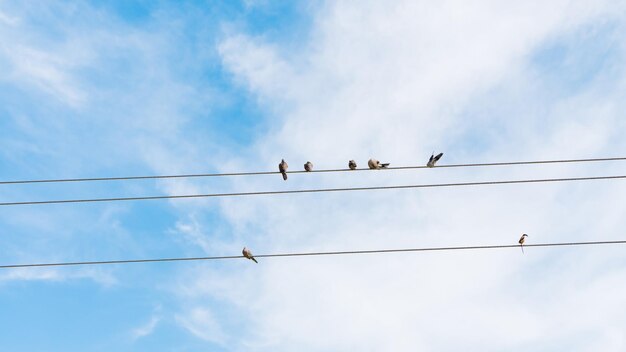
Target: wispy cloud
(193, 232)
(100, 96)
(202, 323)
(44, 71)
(146, 329)
(8, 20)
(395, 81)
(108, 101)
(102, 277)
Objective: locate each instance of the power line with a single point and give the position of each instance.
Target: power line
(319, 190)
(121, 178)
(310, 254)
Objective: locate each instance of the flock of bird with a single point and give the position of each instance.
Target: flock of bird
(372, 164)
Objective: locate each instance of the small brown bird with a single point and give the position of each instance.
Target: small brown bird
(376, 165)
(521, 241)
(308, 167)
(282, 167)
(352, 164)
(248, 254)
(434, 159)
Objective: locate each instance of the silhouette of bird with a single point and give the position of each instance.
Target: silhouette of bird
(434, 159)
(308, 166)
(352, 164)
(248, 254)
(521, 241)
(282, 167)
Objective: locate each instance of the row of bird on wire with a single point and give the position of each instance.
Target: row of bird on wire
(247, 253)
(372, 164)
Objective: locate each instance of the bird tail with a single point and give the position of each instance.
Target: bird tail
(254, 260)
(384, 166)
(522, 247)
(284, 176)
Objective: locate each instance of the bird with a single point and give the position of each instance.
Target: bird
(282, 167)
(352, 164)
(376, 165)
(248, 254)
(308, 166)
(521, 241)
(434, 159)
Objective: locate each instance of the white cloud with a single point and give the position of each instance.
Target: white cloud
(45, 71)
(146, 329)
(30, 274)
(92, 96)
(192, 232)
(393, 81)
(8, 20)
(201, 323)
(396, 81)
(100, 276)
(261, 69)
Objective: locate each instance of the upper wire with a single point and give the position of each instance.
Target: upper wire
(121, 178)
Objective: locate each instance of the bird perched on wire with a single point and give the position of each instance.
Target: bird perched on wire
(521, 241)
(376, 165)
(434, 159)
(248, 254)
(308, 167)
(352, 164)
(282, 167)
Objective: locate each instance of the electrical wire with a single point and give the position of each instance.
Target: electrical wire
(319, 190)
(121, 178)
(310, 254)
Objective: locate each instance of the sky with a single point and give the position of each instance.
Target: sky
(117, 88)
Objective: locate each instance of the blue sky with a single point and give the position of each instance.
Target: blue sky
(154, 87)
